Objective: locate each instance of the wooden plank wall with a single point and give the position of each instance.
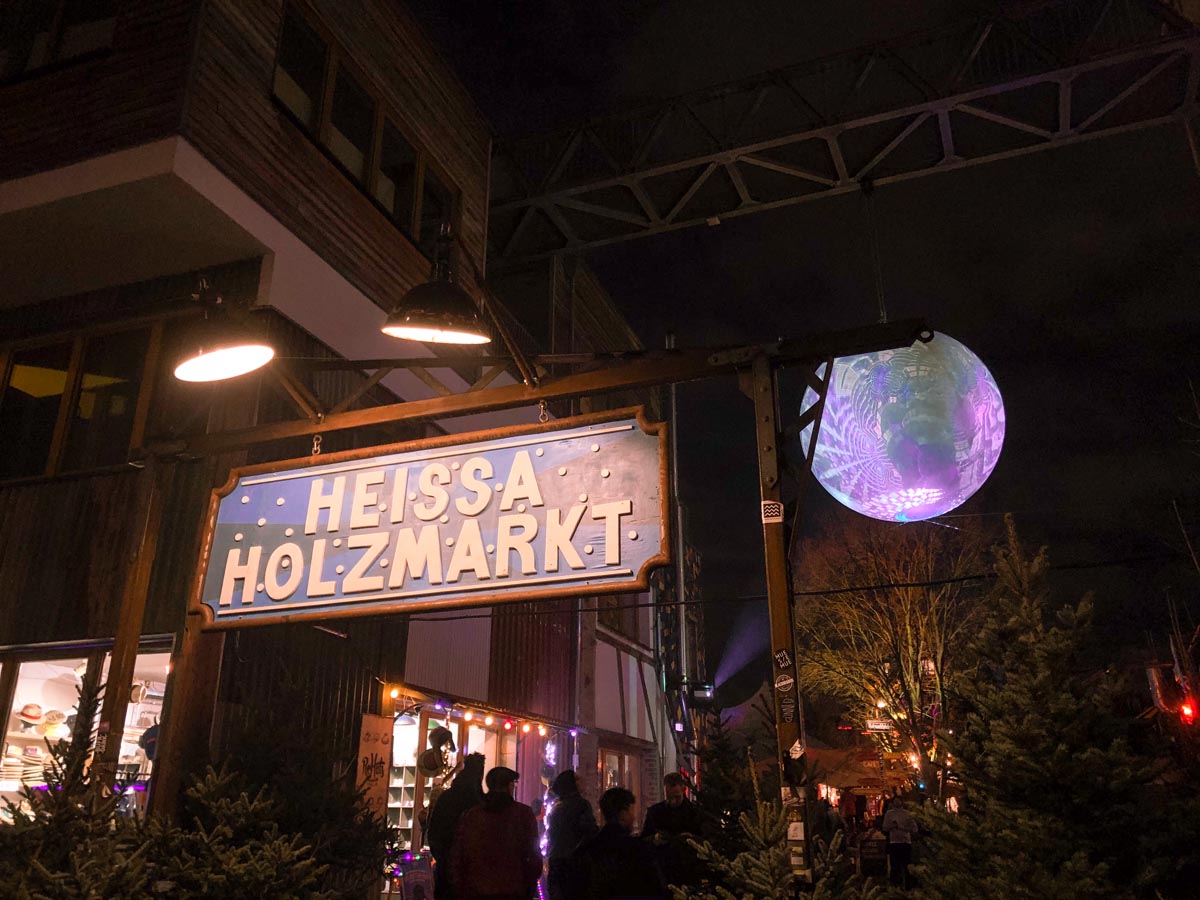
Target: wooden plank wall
(233, 121)
(534, 656)
(128, 96)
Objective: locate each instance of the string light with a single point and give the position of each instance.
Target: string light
(489, 720)
(541, 731)
(526, 727)
(508, 725)
(395, 693)
(468, 716)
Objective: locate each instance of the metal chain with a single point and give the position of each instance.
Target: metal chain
(543, 416)
(316, 450)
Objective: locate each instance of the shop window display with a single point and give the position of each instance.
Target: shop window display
(44, 703)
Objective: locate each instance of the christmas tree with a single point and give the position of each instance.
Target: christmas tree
(1058, 775)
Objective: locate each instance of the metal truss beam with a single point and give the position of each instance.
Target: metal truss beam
(1042, 75)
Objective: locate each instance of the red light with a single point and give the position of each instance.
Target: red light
(1187, 712)
(508, 725)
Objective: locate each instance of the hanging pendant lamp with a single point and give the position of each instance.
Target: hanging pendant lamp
(438, 311)
(222, 349)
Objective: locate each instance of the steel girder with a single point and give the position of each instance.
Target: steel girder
(1040, 75)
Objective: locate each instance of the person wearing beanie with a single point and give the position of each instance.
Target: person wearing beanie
(495, 855)
(571, 822)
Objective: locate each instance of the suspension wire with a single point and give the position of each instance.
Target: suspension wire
(868, 189)
(818, 592)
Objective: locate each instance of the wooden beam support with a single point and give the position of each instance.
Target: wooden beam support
(646, 370)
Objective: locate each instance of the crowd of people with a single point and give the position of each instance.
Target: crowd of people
(486, 846)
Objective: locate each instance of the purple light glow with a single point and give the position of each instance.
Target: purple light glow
(908, 434)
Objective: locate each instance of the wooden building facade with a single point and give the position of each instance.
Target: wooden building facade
(297, 158)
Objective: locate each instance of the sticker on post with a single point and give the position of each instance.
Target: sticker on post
(783, 659)
(787, 708)
(784, 683)
(772, 512)
(796, 751)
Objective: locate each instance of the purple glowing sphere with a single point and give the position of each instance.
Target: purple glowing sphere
(908, 434)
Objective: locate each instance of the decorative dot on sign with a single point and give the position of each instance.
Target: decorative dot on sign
(454, 466)
(449, 542)
(262, 522)
(245, 499)
(499, 486)
(520, 507)
(540, 451)
(260, 588)
(238, 536)
(337, 542)
(383, 507)
(633, 535)
(412, 496)
(588, 549)
(340, 569)
(383, 564)
(604, 473)
(445, 519)
(562, 470)
(279, 501)
(288, 532)
(583, 498)
(285, 563)
(595, 448)
(491, 548)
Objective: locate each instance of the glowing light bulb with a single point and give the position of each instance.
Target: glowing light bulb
(525, 728)
(489, 720)
(541, 731)
(394, 693)
(468, 715)
(508, 725)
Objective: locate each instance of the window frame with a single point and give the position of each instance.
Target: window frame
(54, 41)
(69, 399)
(384, 113)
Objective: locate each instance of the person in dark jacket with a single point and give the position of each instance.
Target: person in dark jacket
(613, 864)
(464, 792)
(495, 855)
(571, 822)
(676, 815)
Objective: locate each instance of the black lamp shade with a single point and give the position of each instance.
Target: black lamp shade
(437, 312)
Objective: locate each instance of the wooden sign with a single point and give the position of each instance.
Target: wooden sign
(374, 763)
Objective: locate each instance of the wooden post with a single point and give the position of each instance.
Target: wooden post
(187, 714)
(789, 745)
(129, 628)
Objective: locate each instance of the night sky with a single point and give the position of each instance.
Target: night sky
(1072, 273)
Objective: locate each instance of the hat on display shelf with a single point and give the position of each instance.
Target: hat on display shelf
(30, 714)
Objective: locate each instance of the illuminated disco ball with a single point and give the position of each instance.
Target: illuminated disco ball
(908, 434)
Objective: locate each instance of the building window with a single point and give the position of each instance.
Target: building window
(300, 71)
(437, 208)
(620, 769)
(72, 405)
(351, 123)
(29, 407)
(339, 111)
(396, 181)
(39, 33)
(43, 707)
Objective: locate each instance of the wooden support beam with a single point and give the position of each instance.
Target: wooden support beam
(647, 370)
